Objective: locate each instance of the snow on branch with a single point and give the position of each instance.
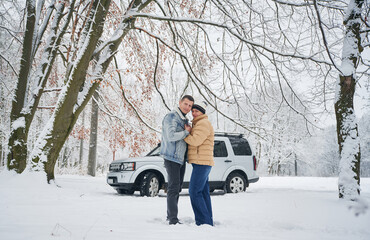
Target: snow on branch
(18, 123)
(40, 32)
(117, 35)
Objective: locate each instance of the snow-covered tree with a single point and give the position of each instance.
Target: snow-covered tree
(347, 129)
(24, 106)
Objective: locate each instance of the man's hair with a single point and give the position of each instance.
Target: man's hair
(190, 98)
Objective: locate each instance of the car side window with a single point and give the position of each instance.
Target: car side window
(156, 151)
(219, 149)
(240, 146)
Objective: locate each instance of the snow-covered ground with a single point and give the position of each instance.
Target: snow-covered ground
(87, 208)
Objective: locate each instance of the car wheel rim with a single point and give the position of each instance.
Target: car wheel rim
(236, 185)
(153, 187)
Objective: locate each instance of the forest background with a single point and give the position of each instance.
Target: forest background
(86, 82)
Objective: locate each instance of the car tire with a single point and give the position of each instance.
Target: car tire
(149, 185)
(125, 191)
(235, 183)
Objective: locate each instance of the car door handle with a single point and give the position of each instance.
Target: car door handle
(227, 160)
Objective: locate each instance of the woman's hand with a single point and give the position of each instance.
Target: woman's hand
(188, 128)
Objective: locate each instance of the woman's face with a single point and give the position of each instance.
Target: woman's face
(196, 113)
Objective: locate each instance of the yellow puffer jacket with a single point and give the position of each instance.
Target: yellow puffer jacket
(200, 141)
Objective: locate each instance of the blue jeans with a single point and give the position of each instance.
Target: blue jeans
(199, 194)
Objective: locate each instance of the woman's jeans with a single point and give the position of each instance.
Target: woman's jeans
(199, 194)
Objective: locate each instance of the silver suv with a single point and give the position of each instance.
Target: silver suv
(234, 169)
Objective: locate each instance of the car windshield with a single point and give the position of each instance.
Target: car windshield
(155, 151)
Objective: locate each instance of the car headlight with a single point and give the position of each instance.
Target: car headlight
(128, 166)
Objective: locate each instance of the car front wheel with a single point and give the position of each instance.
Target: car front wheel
(149, 185)
(235, 183)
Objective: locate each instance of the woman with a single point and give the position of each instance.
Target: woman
(200, 154)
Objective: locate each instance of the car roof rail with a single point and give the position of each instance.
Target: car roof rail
(226, 134)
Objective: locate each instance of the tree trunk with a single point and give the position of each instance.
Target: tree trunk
(295, 166)
(22, 114)
(82, 142)
(347, 131)
(64, 159)
(2, 134)
(91, 166)
(348, 140)
(17, 145)
(1, 149)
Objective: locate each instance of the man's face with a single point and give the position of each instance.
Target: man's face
(185, 105)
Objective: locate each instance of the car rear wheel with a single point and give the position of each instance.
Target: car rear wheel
(235, 183)
(149, 185)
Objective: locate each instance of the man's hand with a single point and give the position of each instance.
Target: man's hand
(188, 128)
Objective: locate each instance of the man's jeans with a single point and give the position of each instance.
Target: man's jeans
(176, 174)
(199, 194)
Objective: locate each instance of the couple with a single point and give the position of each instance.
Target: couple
(181, 142)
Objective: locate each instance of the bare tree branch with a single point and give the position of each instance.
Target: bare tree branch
(10, 65)
(324, 37)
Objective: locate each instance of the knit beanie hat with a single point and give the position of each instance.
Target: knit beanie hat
(201, 106)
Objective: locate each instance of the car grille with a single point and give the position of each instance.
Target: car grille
(115, 167)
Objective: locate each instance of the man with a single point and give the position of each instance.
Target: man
(173, 149)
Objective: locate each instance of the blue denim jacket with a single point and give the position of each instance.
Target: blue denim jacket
(173, 146)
